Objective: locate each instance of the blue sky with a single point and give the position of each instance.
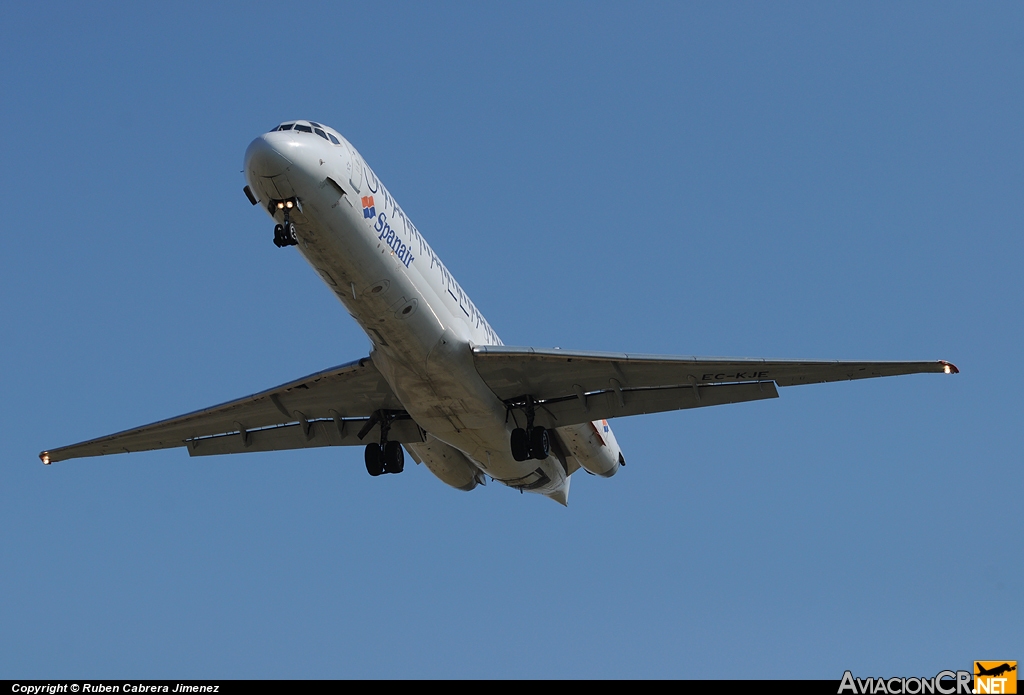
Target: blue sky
(838, 181)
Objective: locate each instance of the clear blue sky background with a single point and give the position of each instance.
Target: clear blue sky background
(802, 180)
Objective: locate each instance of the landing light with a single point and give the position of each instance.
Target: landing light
(289, 204)
(280, 206)
(45, 456)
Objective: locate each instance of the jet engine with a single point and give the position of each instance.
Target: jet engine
(447, 463)
(593, 445)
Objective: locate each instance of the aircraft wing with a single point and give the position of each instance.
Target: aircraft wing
(573, 387)
(329, 408)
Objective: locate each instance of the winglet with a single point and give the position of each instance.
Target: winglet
(949, 367)
(45, 458)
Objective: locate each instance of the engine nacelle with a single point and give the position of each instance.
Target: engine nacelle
(593, 445)
(447, 463)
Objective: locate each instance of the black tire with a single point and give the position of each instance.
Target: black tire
(292, 238)
(540, 443)
(278, 235)
(374, 460)
(520, 444)
(394, 458)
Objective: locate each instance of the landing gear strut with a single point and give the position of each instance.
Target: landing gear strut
(386, 457)
(534, 442)
(284, 234)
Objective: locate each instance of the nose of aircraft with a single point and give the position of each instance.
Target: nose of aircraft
(264, 157)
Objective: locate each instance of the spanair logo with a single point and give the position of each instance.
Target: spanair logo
(995, 677)
(390, 236)
(369, 212)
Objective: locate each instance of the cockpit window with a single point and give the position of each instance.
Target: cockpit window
(286, 126)
(303, 128)
(333, 139)
(315, 125)
(320, 133)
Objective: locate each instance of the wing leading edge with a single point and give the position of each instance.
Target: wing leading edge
(328, 408)
(573, 387)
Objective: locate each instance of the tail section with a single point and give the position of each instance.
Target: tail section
(561, 495)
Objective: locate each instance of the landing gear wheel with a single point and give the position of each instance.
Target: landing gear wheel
(520, 444)
(278, 235)
(290, 237)
(374, 460)
(540, 443)
(394, 458)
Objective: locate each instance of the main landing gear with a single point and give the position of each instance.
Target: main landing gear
(534, 442)
(284, 234)
(386, 457)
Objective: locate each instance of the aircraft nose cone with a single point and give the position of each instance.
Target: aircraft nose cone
(263, 157)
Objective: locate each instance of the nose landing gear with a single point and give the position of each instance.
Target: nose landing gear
(284, 234)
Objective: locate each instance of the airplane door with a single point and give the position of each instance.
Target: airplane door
(355, 176)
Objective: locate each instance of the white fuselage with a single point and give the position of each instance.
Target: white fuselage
(420, 321)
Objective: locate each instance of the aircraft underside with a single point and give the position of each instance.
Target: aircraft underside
(438, 381)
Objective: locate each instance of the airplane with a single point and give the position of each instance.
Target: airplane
(438, 380)
(995, 671)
